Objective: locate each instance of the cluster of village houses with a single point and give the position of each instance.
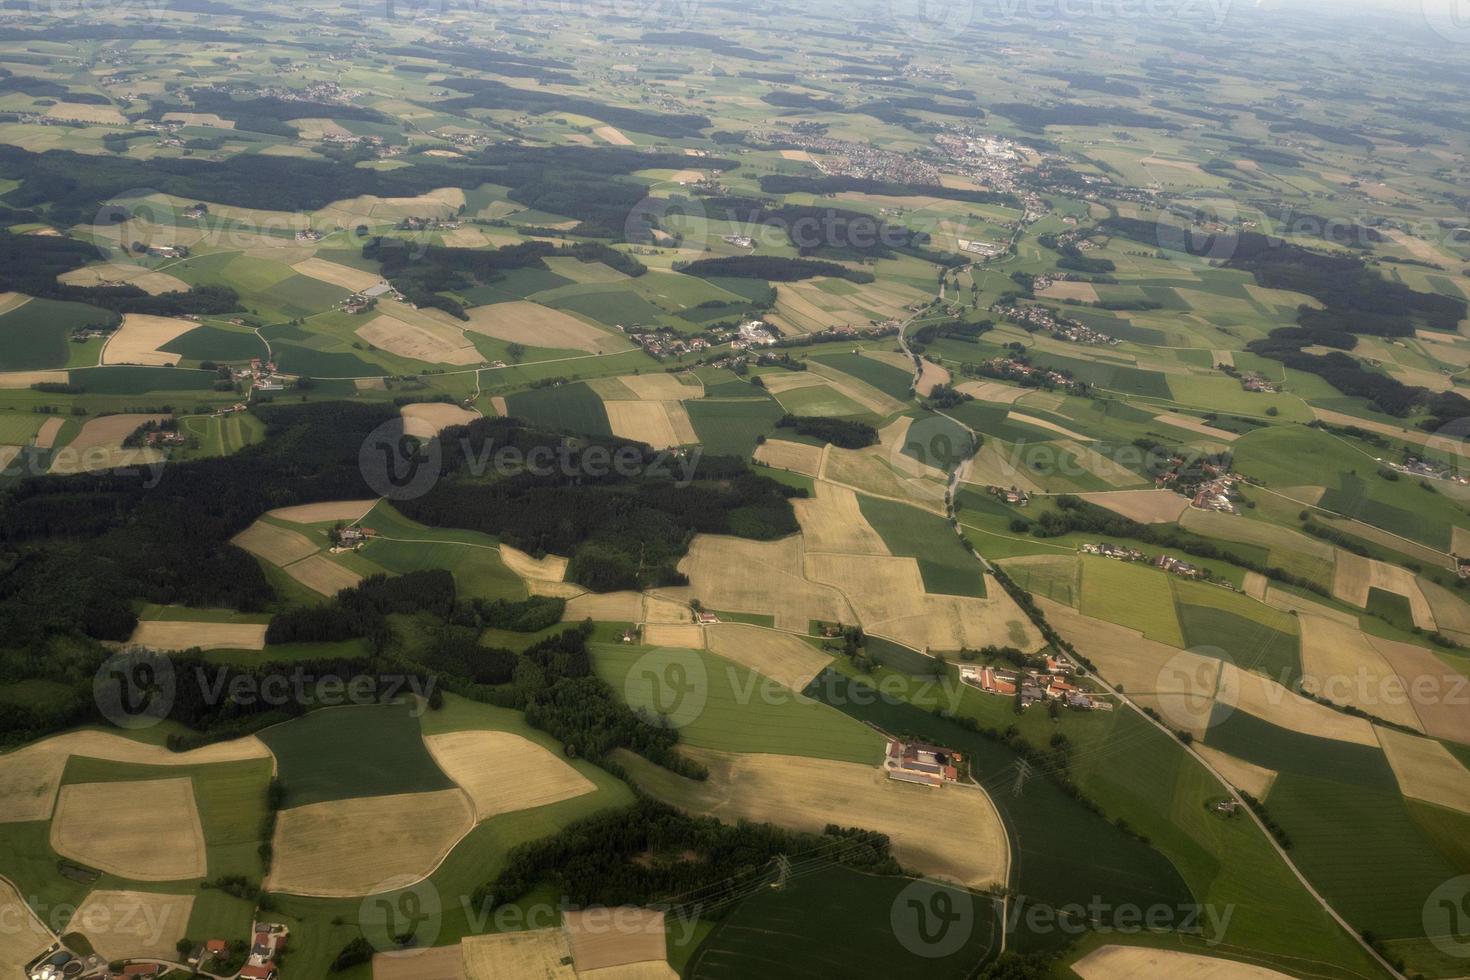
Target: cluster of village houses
(1168, 563)
(1015, 369)
(1054, 683)
(1061, 327)
(261, 376)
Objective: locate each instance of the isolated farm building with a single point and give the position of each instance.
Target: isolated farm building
(920, 762)
(708, 618)
(265, 971)
(377, 289)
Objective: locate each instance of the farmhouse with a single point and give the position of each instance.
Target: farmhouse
(921, 763)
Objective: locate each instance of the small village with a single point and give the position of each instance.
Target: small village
(1028, 686)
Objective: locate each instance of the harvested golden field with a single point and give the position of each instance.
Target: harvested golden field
(138, 339)
(1271, 702)
(1066, 289)
(277, 545)
(1355, 575)
(1426, 770)
(610, 937)
(524, 322)
(1450, 611)
(347, 511)
(26, 936)
(433, 963)
(879, 587)
(1192, 423)
(10, 380)
(767, 577)
(1351, 578)
(139, 924)
(106, 115)
(659, 609)
(111, 273)
(533, 954)
(320, 574)
(617, 607)
(210, 119)
(1049, 425)
(347, 848)
(99, 445)
(1339, 663)
(832, 521)
(1144, 963)
(1255, 585)
(1253, 779)
(432, 344)
(1444, 690)
(157, 634)
(10, 301)
(931, 376)
(993, 391)
(337, 274)
(29, 777)
(551, 568)
(661, 387)
(661, 424)
(610, 134)
(147, 830)
(783, 657)
(794, 456)
(689, 635)
(1143, 506)
(875, 471)
(503, 772)
(951, 830)
(887, 594)
(427, 419)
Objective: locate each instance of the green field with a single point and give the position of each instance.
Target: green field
(835, 915)
(472, 558)
(222, 435)
(569, 407)
(34, 336)
(947, 568)
(216, 344)
(127, 380)
(730, 428)
(885, 377)
(736, 716)
(1130, 594)
(348, 752)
